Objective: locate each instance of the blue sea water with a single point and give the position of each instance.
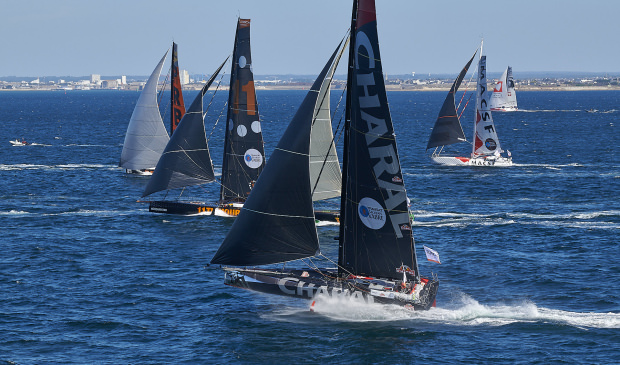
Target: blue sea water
(530, 267)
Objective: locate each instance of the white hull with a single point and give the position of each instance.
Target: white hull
(466, 161)
(18, 143)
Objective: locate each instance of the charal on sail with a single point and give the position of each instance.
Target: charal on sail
(486, 150)
(146, 135)
(504, 96)
(376, 258)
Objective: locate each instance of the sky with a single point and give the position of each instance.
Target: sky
(128, 37)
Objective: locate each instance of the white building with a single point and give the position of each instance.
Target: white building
(95, 79)
(123, 80)
(184, 77)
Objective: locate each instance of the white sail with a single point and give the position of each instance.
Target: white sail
(486, 142)
(146, 135)
(324, 164)
(504, 97)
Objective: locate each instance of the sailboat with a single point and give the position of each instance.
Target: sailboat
(376, 259)
(504, 97)
(243, 145)
(486, 150)
(146, 135)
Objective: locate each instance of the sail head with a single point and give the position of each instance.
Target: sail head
(177, 105)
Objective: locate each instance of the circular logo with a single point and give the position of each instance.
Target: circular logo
(490, 144)
(231, 124)
(371, 213)
(256, 126)
(242, 130)
(253, 158)
(242, 61)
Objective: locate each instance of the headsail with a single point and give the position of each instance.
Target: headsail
(186, 161)
(486, 141)
(504, 96)
(325, 175)
(375, 236)
(177, 106)
(244, 154)
(448, 129)
(146, 135)
(277, 223)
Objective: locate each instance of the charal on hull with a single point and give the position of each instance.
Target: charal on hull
(486, 150)
(377, 259)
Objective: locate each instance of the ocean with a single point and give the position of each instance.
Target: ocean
(529, 269)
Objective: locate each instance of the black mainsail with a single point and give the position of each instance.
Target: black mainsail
(448, 129)
(243, 144)
(276, 223)
(186, 160)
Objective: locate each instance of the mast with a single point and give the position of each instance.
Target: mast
(177, 106)
(473, 145)
(244, 152)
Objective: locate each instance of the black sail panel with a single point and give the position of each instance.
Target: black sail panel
(277, 223)
(244, 155)
(448, 129)
(186, 160)
(375, 234)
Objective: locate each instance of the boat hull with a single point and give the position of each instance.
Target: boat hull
(309, 284)
(191, 208)
(466, 161)
(18, 143)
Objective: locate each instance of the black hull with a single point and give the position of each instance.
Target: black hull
(308, 284)
(188, 208)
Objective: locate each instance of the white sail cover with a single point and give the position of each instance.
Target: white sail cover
(485, 136)
(504, 96)
(324, 164)
(146, 135)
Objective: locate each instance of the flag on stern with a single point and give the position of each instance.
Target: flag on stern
(431, 255)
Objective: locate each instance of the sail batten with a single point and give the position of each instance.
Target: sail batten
(146, 136)
(186, 160)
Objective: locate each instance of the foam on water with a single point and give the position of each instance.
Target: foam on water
(465, 312)
(5, 167)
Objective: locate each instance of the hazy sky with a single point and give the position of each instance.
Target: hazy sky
(128, 37)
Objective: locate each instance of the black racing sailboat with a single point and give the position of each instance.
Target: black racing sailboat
(376, 259)
(243, 147)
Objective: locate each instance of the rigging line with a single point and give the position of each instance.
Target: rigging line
(464, 92)
(277, 215)
(221, 111)
(465, 107)
(163, 86)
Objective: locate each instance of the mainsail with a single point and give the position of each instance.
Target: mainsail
(243, 144)
(486, 141)
(177, 106)
(375, 234)
(504, 97)
(277, 222)
(186, 161)
(448, 129)
(146, 135)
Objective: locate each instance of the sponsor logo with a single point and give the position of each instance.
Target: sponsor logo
(253, 158)
(371, 213)
(296, 287)
(397, 179)
(405, 227)
(490, 144)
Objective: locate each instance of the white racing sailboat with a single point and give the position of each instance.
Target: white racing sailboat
(486, 149)
(503, 96)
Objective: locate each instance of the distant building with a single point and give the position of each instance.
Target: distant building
(123, 80)
(184, 77)
(109, 84)
(95, 79)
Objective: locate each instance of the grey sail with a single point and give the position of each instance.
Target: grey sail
(186, 160)
(325, 175)
(448, 129)
(277, 223)
(146, 135)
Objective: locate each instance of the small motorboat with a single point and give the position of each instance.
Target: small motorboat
(18, 142)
